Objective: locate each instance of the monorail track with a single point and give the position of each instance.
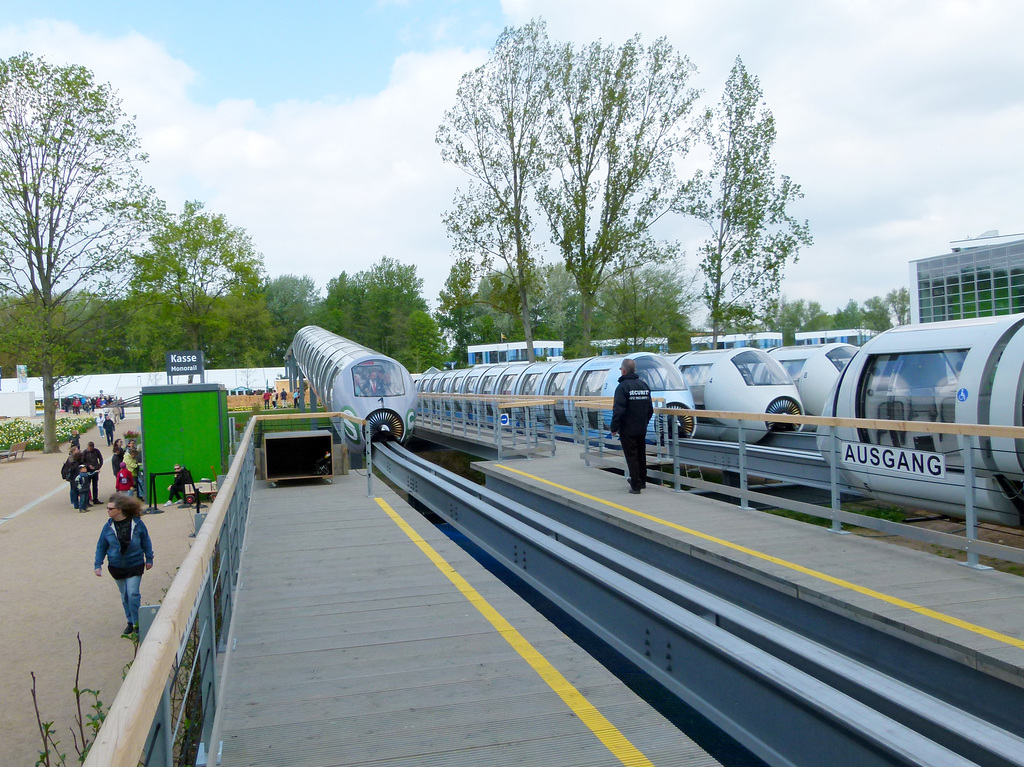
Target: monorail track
(795, 684)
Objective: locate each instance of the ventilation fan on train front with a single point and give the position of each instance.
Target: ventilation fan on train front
(385, 425)
(783, 406)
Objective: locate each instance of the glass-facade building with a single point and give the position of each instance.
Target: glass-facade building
(983, 277)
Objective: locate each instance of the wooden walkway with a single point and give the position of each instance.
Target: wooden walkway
(351, 646)
(976, 617)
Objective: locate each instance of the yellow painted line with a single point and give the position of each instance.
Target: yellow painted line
(606, 732)
(887, 598)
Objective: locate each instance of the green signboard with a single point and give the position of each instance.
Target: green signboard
(187, 425)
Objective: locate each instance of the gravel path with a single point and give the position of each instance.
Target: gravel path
(48, 594)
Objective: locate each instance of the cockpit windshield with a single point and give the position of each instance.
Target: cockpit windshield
(377, 378)
(760, 370)
(840, 357)
(659, 374)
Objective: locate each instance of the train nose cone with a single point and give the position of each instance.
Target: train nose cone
(783, 406)
(385, 425)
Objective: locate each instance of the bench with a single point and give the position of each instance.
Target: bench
(17, 450)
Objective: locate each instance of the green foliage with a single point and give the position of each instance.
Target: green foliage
(292, 303)
(199, 263)
(648, 302)
(72, 208)
(744, 206)
(374, 307)
(494, 133)
(620, 121)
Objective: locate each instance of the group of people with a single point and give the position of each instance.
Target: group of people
(82, 469)
(78, 405)
(373, 384)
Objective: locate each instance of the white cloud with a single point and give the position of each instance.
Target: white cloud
(900, 120)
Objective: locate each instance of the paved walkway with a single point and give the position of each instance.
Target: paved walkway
(48, 594)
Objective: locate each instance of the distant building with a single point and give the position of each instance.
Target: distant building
(981, 277)
(512, 351)
(610, 345)
(855, 336)
(737, 340)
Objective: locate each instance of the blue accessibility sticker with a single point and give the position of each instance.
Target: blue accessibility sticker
(961, 395)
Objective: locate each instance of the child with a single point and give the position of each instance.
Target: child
(81, 485)
(125, 482)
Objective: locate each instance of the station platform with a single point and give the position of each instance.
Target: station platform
(363, 635)
(972, 616)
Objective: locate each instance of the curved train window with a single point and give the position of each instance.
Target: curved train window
(794, 367)
(758, 370)
(530, 381)
(470, 384)
(911, 386)
(659, 374)
(487, 384)
(506, 382)
(378, 378)
(840, 357)
(592, 383)
(556, 388)
(696, 377)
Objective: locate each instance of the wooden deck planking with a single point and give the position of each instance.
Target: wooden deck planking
(352, 648)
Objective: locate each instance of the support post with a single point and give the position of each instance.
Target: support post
(742, 441)
(833, 477)
(971, 513)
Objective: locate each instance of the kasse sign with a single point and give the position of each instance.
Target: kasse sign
(184, 363)
(917, 463)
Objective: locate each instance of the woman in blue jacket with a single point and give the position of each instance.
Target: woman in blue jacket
(124, 543)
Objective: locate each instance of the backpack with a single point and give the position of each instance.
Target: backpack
(65, 471)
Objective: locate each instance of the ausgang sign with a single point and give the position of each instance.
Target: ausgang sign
(915, 462)
(184, 363)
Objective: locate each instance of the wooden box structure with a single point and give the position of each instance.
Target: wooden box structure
(298, 455)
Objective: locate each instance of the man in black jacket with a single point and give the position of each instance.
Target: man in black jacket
(93, 459)
(630, 413)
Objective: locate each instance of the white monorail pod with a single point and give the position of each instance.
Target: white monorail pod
(958, 372)
(814, 369)
(743, 380)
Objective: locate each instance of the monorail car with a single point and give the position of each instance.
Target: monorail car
(814, 369)
(350, 378)
(742, 380)
(587, 377)
(965, 372)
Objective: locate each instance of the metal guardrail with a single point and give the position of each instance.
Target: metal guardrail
(669, 442)
(514, 426)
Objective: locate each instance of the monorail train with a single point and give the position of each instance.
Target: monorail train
(742, 380)
(587, 377)
(964, 372)
(814, 369)
(349, 378)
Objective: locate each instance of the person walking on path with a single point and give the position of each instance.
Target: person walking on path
(80, 486)
(116, 456)
(631, 411)
(108, 429)
(124, 542)
(93, 459)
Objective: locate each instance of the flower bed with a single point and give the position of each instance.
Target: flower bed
(20, 430)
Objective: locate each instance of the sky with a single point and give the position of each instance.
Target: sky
(311, 124)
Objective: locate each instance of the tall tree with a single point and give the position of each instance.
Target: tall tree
(292, 302)
(620, 122)
(849, 317)
(197, 258)
(647, 302)
(72, 207)
(494, 133)
(898, 302)
(875, 315)
(744, 206)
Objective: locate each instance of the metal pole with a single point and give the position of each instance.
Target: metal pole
(674, 426)
(833, 477)
(971, 513)
(744, 504)
(369, 462)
